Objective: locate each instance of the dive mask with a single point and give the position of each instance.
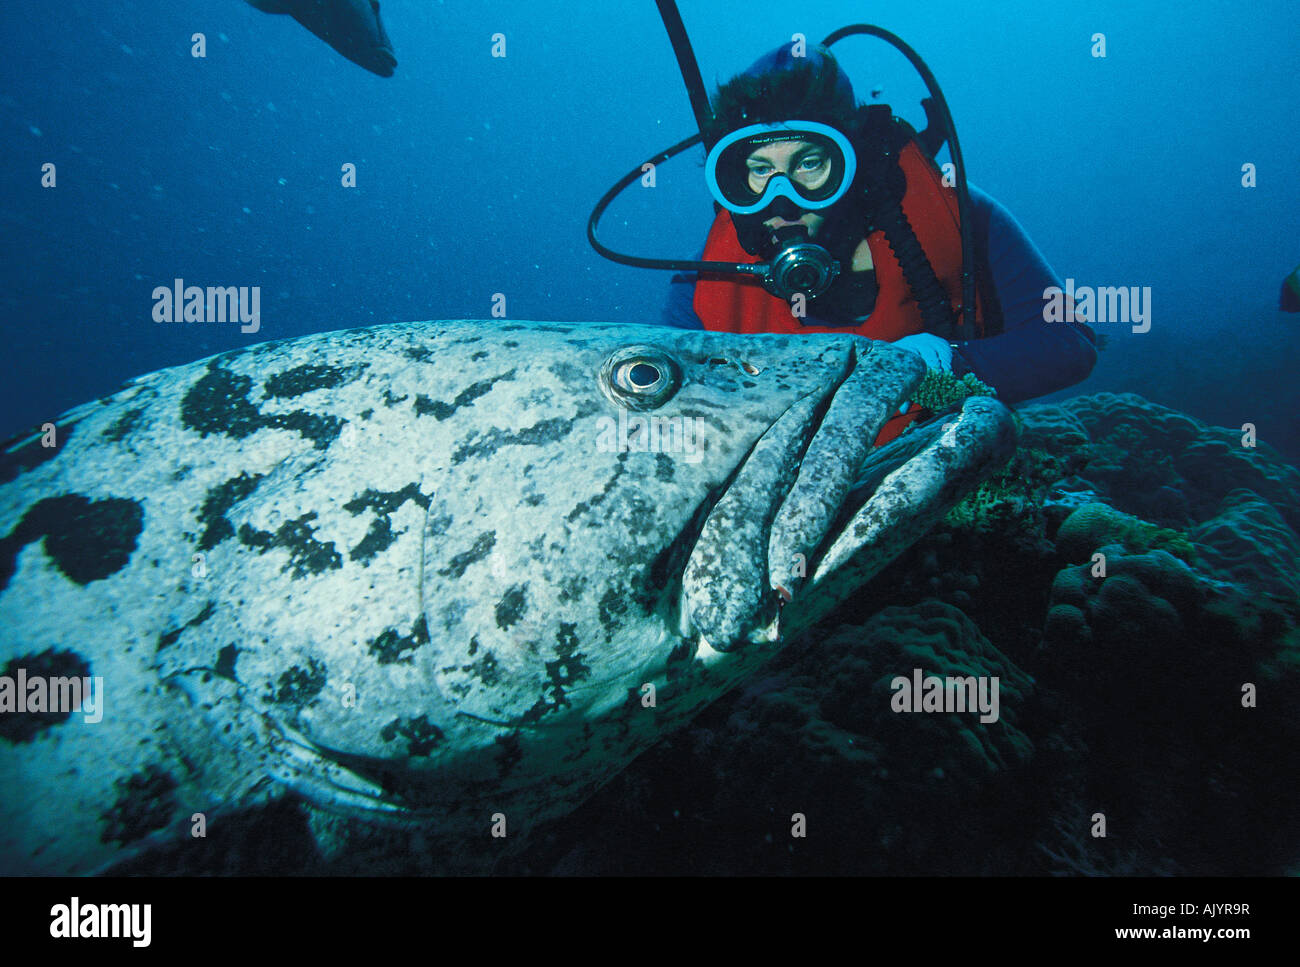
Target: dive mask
(744, 180)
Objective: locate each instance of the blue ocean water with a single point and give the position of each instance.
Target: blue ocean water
(476, 174)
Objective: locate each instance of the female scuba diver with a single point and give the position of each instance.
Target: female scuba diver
(794, 163)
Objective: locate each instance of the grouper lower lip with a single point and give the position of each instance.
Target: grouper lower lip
(759, 538)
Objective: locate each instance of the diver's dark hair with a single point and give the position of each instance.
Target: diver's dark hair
(781, 87)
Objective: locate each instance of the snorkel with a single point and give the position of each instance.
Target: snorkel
(795, 264)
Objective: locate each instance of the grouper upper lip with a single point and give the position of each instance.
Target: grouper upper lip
(763, 531)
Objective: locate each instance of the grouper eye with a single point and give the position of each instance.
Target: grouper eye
(640, 377)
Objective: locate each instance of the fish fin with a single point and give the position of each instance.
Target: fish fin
(272, 6)
(1289, 300)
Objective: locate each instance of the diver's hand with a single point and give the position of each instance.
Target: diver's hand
(936, 352)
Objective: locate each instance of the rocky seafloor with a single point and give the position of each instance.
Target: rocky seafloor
(1121, 695)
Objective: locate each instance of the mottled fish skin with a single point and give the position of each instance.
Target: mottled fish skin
(400, 570)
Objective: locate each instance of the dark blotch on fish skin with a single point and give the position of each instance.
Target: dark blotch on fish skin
(539, 434)
(307, 556)
(568, 666)
(367, 413)
(570, 373)
(380, 535)
(320, 430)
(441, 411)
(212, 515)
(483, 545)
(299, 686)
(708, 418)
(613, 605)
(389, 647)
(390, 400)
(29, 456)
(123, 425)
(88, 540)
(421, 735)
(598, 499)
(378, 538)
(439, 525)
(536, 713)
(664, 469)
(145, 803)
(18, 727)
(303, 379)
(511, 328)
(481, 354)
(421, 354)
(453, 613)
(512, 605)
(226, 659)
(456, 690)
(168, 638)
(218, 403)
(485, 669)
(571, 588)
(627, 554)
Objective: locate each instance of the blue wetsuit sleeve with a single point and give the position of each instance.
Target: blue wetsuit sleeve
(679, 310)
(1031, 357)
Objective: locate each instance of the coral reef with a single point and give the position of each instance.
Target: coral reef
(1163, 465)
(1248, 543)
(1094, 524)
(940, 390)
(1151, 664)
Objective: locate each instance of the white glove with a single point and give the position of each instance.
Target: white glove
(936, 352)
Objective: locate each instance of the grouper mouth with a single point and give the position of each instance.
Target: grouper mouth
(812, 497)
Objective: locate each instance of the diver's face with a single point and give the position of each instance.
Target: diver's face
(803, 162)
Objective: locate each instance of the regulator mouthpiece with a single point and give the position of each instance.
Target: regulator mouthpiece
(799, 266)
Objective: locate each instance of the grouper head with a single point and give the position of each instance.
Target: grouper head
(626, 521)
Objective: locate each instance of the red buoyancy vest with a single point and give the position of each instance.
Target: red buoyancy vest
(729, 303)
